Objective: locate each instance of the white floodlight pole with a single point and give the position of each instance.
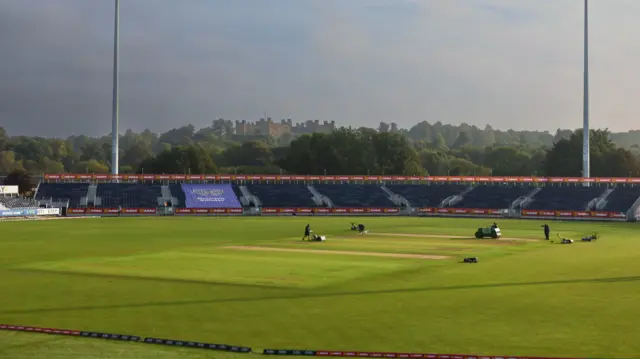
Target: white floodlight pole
(585, 105)
(115, 101)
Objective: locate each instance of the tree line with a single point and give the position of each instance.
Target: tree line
(425, 149)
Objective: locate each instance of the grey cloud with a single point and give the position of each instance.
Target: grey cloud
(503, 62)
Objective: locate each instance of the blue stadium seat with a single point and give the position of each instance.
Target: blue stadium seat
(565, 198)
(131, 195)
(426, 195)
(492, 196)
(72, 192)
(17, 202)
(356, 195)
(282, 195)
(176, 191)
(237, 191)
(621, 199)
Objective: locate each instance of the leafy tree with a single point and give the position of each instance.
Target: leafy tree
(137, 153)
(435, 148)
(421, 131)
(439, 142)
(348, 151)
(180, 159)
(383, 127)
(253, 153)
(8, 162)
(91, 166)
(509, 161)
(20, 178)
(30, 149)
(607, 160)
(93, 151)
(461, 167)
(462, 140)
(394, 155)
(48, 165)
(3, 138)
(435, 163)
(222, 127)
(179, 136)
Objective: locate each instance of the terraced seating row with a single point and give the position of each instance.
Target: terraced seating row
(493, 196)
(574, 198)
(622, 199)
(17, 202)
(282, 195)
(71, 192)
(129, 195)
(426, 196)
(564, 198)
(353, 195)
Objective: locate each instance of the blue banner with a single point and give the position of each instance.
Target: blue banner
(18, 212)
(210, 196)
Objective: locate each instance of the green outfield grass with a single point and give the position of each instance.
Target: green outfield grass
(251, 281)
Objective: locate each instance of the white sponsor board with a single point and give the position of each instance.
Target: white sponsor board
(8, 189)
(48, 211)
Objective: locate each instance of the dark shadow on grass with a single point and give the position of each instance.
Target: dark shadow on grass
(303, 295)
(152, 279)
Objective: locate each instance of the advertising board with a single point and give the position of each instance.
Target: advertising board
(286, 178)
(18, 212)
(48, 211)
(8, 190)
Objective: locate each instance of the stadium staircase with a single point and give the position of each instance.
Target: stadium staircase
(632, 212)
(355, 195)
(62, 194)
(564, 198)
(621, 199)
(167, 196)
(35, 193)
(176, 192)
(90, 199)
(320, 199)
(247, 198)
(453, 200)
(524, 201)
(492, 196)
(282, 195)
(396, 198)
(431, 195)
(131, 195)
(599, 203)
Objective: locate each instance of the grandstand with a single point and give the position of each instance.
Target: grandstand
(17, 202)
(493, 196)
(621, 199)
(178, 195)
(282, 195)
(565, 198)
(356, 194)
(128, 195)
(427, 195)
(69, 194)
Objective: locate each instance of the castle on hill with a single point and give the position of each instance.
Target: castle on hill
(268, 127)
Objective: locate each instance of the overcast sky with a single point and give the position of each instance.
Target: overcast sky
(507, 63)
